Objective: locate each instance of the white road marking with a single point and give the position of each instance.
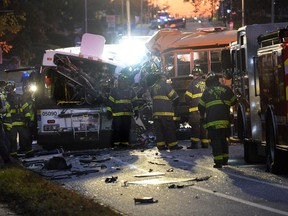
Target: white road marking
(220, 194)
(241, 201)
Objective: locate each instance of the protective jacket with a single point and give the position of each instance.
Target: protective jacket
(194, 93)
(163, 96)
(216, 102)
(17, 111)
(122, 102)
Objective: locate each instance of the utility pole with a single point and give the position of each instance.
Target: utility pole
(86, 26)
(128, 18)
(243, 13)
(272, 11)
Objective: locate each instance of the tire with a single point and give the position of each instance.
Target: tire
(274, 161)
(251, 154)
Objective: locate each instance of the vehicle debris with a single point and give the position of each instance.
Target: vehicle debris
(56, 163)
(144, 200)
(150, 174)
(178, 186)
(111, 179)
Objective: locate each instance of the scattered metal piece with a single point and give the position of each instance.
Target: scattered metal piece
(202, 178)
(157, 163)
(150, 174)
(111, 179)
(179, 186)
(144, 200)
(170, 170)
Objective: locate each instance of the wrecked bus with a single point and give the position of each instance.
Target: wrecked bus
(72, 86)
(179, 52)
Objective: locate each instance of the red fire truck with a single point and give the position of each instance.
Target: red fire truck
(257, 63)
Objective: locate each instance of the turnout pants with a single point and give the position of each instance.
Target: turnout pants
(165, 130)
(197, 131)
(24, 138)
(121, 126)
(219, 143)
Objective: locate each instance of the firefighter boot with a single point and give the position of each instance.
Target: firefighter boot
(225, 161)
(194, 145)
(205, 143)
(218, 164)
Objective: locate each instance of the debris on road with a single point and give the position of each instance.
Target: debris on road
(144, 200)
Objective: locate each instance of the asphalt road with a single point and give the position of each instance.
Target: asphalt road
(181, 182)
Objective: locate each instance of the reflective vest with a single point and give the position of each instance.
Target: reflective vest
(122, 102)
(194, 92)
(163, 95)
(215, 103)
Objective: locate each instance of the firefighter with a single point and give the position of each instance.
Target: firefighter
(29, 98)
(215, 105)
(163, 96)
(17, 120)
(192, 97)
(122, 105)
(4, 144)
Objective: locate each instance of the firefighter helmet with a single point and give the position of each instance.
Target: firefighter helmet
(212, 79)
(197, 71)
(10, 87)
(123, 81)
(3, 83)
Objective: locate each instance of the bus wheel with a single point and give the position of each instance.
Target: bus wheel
(273, 156)
(251, 154)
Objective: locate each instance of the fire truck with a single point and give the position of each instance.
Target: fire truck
(257, 64)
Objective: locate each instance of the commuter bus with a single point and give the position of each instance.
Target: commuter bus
(179, 52)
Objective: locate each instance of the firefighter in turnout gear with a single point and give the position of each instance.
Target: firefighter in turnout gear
(4, 142)
(122, 105)
(192, 97)
(215, 105)
(163, 96)
(17, 120)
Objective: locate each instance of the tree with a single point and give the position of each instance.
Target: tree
(10, 24)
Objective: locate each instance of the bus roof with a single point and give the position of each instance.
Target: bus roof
(92, 47)
(166, 39)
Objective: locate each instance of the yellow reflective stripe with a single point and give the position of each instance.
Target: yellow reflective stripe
(193, 109)
(217, 124)
(217, 102)
(171, 93)
(163, 114)
(161, 97)
(161, 143)
(17, 123)
(109, 109)
(189, 94)
(206, 141)
(225, 155)
(25, 105)
(122, 101)
(172, 144)
(123, 113)
(218, 157)
(111, 99)
(194, 139)
(197, 95)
